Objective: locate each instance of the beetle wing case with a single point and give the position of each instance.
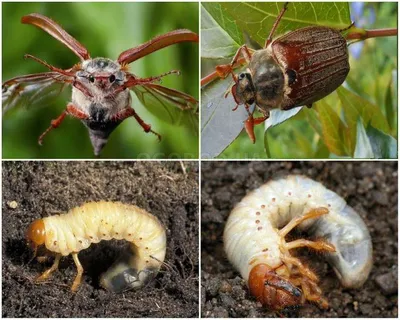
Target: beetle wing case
(317, 60)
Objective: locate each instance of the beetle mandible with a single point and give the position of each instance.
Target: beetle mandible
(298, 68)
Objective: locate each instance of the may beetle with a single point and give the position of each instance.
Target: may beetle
(299, 68)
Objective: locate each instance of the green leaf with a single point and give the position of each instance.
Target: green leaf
(313, 120)
(216, 43)
(355, 107)
(374, 144)
(333, 129)
(363, 147)
(384, 146)
(257, 18)
(224, 21)
(278, 116)
(389, 109)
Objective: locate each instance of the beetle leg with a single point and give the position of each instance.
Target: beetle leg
(260, 119)
(129, 112)
(76, 113)
(278, 19)
(314, 213)
(48, 272)
(78, 277)
(251, 122)
(53, 124)
(316, 245)
(249, 127)
(224, 69)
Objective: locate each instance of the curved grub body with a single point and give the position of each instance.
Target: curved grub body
(255, 236)
(95, 221)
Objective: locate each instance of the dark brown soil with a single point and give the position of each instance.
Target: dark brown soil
(45, 188)
(369, 187)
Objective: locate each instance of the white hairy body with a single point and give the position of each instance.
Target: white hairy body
(251, 232)
(101, 95)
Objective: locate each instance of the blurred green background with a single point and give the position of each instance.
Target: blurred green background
(105, 29)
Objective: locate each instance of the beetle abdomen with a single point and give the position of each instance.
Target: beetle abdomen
(319, 59)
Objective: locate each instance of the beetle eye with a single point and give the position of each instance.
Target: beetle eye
(112, 78)
(91, 78)
(242, 76)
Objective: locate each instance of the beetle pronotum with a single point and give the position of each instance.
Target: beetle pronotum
(92, 222)
(254, 241)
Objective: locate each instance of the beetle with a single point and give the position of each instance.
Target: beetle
(100, 86)
(298, 68)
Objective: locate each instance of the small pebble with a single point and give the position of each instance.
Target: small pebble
(12, 204)
(387, 282)
(225, 287)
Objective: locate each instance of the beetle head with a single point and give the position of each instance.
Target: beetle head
(36, 234)
(272, 290)
(245, 91)
(101, 74)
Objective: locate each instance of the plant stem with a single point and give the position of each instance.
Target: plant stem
(366, 34)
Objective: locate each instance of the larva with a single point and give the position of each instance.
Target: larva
(95, 221)
(254, 241)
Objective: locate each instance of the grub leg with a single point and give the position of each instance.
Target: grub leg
(303, 270)
(313, 293)
(78, 277)
(313, 213)
(319, 245)
(48, 272)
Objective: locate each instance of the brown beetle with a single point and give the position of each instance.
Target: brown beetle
(296, 69)
(100, 86)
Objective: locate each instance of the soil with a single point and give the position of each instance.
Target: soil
(369, 187)
(40, 189)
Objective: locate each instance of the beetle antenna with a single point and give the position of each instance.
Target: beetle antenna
(177, 72)
(275, 25)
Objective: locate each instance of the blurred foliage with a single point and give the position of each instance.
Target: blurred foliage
(329, 129)
(105, 29)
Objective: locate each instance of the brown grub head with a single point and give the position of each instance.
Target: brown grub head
(36, 234)
(273, 291)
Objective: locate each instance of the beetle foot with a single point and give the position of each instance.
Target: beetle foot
(223, 70)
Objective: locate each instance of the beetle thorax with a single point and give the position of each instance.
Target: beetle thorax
(268, 79)
(100, 78)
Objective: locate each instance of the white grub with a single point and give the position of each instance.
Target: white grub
(95, 221)
(252, 233)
